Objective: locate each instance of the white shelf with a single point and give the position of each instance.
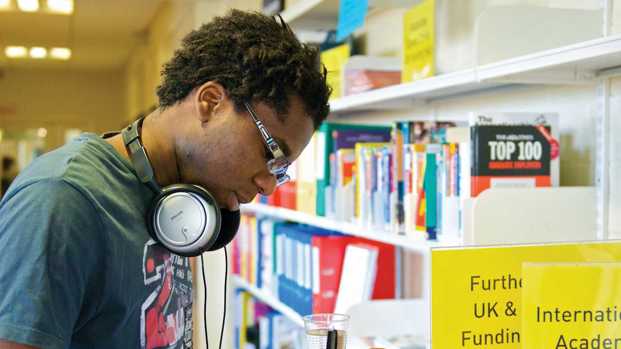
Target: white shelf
(580, 63)
(268, 299)
(323, 15)
(421, 244)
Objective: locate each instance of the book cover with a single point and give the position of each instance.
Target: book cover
(510, 156)
(548, 124)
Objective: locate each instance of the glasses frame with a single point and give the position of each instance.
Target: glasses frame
(278, 164)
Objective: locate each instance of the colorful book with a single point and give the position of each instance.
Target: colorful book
(325, 146)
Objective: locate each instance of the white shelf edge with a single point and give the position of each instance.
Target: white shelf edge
(268, 299)
(421, 245)
(552, 58)
(483, 77)
(410, 89)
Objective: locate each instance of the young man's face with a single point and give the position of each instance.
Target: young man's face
(228, 156)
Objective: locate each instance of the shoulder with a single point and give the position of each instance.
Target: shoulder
(88, 164)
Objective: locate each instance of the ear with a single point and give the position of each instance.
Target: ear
(209, 98)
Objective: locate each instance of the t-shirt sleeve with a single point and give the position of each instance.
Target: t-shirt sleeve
(48, 237)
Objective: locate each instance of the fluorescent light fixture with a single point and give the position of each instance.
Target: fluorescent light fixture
(60, 6)
(5, 5)
(60, 53)
(38, 52)
(28, 5)
(15, 51)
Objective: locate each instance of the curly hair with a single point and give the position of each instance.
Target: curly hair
(255, 58)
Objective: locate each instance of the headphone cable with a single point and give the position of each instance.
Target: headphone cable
(204, 302)
(226, 273)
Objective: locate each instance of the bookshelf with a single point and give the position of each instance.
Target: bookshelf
(579, 81)
(353, 229)
(584, 62)
(268, 299)
(322, 15)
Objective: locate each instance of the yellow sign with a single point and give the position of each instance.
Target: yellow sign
(419, 41)
(573, 305)
(334, 59)
(476, 293)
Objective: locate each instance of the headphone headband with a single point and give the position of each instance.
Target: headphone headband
(140, 159)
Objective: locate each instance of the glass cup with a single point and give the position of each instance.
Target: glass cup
(326, 331)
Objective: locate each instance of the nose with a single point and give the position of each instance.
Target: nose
(266, 183)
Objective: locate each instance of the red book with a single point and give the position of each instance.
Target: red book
(235, 257)
(385, 278)
(329, 252)
(288, 195)
(274, 199)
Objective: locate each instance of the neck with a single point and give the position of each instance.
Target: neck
(159, 145)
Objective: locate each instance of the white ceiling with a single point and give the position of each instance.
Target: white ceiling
(100, 33)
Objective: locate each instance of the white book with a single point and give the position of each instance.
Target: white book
(357, 276)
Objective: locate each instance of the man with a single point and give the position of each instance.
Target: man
(78, 269)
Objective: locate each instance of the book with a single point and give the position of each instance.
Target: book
(514, 150)
(306, 180)
(334, 59)
(365, 73)
(325, 145)
(362, 199)
(357, 277)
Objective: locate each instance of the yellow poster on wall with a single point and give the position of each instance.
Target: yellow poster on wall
(419, 41)
(571, 305)
(476, 293)
(334, 59)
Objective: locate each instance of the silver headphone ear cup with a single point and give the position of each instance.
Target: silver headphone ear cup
(185, 219)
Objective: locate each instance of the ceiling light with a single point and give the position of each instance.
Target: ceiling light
(28, 5)
(38, 52)
(42, 132)
(60, 53)
(5, 5)
(60, 6)
(15, 51)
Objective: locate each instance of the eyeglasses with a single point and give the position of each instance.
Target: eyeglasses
(278, 164)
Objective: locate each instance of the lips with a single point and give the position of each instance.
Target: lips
(244, 199)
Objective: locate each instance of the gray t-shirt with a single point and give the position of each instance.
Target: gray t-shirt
(78, 268)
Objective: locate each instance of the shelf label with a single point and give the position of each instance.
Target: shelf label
(419, 41)
(476, 293)
(352, 14)
(571, 305)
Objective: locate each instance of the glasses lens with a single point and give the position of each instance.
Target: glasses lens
(278, 166)
(282, 179)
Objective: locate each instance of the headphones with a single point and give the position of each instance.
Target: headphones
(184, 218)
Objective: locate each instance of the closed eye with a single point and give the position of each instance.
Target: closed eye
(267, 154)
